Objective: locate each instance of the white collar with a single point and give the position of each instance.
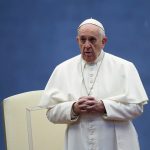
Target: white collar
(97, 61)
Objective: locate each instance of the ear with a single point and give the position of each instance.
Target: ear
(104, 40)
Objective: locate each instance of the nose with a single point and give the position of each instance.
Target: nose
(87, 44)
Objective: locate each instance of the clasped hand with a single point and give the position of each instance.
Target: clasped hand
(88, 104)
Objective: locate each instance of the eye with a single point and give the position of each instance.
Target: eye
(92, 40)
(82, 39)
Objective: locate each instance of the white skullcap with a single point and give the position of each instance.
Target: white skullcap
(92, 21)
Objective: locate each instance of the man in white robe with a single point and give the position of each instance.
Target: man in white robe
(96, 94)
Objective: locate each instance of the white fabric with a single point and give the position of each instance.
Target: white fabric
(117, 84)
(92, 21)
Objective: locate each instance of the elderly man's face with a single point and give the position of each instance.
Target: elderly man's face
(90, 42)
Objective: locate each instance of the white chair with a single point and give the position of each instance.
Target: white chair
(27, 127)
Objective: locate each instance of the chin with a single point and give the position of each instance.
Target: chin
(89, 60)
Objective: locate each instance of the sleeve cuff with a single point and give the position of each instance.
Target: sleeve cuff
(107, 108)
(74, 116)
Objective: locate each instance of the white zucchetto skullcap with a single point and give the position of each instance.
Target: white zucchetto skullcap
(92, 21)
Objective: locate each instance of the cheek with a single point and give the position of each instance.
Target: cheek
(80, 45)
(97, 50)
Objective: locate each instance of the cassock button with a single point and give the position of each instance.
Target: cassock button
(91, 81)
(91, 132)
(91, 75)
(92, 68)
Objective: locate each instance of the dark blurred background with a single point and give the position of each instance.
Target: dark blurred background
(36, 35)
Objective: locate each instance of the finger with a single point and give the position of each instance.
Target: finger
(81, 101)
(90, 98)
(83, 111)
(90, 107)
(90, 102)
(83, 107)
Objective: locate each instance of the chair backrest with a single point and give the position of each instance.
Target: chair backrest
(27, 127)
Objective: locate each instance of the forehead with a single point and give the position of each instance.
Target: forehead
(88, 29)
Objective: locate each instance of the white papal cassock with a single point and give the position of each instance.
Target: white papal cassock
(117, 84)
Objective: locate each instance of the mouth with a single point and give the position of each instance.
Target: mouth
(88, 54)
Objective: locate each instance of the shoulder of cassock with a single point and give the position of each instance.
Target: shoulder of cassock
(55, 90)
(134, 90)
